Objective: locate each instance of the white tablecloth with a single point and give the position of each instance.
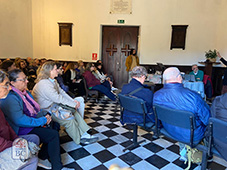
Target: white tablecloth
(195, 86)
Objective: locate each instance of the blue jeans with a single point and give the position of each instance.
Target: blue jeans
(105, 89)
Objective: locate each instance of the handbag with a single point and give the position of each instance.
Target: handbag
(15, 156)
(61, 113)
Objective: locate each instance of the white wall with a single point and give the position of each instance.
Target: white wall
(15, 28)
(206, 19)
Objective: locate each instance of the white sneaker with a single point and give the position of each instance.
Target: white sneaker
(65, 168)
(44, 164)
(113, 88)
(88, 139)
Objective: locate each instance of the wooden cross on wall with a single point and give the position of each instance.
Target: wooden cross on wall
(126, 50)
(111, 50)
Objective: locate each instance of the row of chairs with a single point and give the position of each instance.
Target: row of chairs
(183, 119)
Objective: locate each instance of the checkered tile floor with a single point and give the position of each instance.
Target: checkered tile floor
(104, 117)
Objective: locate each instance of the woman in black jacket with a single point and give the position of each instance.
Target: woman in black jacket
(72, 79)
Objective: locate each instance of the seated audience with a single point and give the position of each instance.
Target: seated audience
(81, 67)
(197, 73)
(53, 99)
(33, 66)
(59, 78)
(175, 96)
(98, 72)
(28, 61)
(23, 66)
(99, 61)
(7, 65)
(7, 135)
(23, 118)
(219, 111)
(64, 65)
(94, 84)
(73, 80)
(77, 68)
(138, 75)
(224, 82)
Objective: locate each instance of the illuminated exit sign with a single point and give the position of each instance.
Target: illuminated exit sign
(121, 21)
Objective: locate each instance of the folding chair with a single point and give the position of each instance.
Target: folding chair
(217, 138)
(90, 92)
(182, 119)
(136, 106)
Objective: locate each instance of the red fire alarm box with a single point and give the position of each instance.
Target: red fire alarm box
(94, 56)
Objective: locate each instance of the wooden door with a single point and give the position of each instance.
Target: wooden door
(117, 41)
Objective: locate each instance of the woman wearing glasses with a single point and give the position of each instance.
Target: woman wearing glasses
(22, 112)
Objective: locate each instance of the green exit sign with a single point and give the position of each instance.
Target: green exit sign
(120, 21)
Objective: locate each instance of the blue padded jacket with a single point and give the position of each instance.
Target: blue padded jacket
(175, 96)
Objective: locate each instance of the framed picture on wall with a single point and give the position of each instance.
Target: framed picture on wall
(65, 33)
(178, 36)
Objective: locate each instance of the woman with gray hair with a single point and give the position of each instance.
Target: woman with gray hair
(52, 98)
(7, 135)
(25, 117)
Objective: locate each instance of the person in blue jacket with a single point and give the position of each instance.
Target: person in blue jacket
(21, 112)
(174, 95)
(138, 75)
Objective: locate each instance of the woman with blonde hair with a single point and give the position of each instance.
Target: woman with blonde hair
(68, 112)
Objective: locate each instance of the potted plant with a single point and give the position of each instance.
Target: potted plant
(211, 55)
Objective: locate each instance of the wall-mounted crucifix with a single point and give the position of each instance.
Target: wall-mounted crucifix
(111, 50)
(126, 50)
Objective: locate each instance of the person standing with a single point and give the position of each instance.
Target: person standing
(131, 61)
(224, 87)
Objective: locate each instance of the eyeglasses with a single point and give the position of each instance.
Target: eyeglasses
(24, 80)
(6, 86)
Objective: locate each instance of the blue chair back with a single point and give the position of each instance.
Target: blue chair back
(179, 118)
(219, 129)
(218, 137)
(132, 104)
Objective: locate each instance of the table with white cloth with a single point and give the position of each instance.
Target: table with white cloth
(197, 86)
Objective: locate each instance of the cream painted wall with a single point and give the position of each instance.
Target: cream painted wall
(23, 34)
(205, 19)
(15, 28)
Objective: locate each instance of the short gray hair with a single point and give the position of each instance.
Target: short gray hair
(3, 75)
(138, 71)
(171, 73)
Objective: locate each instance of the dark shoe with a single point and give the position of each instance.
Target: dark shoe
(210, 159)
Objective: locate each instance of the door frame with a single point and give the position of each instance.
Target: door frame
(112, 25)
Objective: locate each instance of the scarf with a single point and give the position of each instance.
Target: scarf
(32, 106)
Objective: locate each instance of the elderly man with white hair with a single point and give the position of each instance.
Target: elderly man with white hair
(174, 95)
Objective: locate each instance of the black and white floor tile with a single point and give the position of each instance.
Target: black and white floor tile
(104, 118)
